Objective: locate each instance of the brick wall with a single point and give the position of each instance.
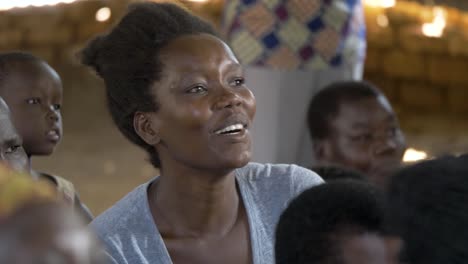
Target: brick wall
(420, 74)
(425, 78)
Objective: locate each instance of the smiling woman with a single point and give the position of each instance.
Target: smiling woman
(177, 90)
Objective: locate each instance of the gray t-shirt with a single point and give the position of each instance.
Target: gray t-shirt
(131, 236)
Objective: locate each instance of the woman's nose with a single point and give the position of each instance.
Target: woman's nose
(228, 99)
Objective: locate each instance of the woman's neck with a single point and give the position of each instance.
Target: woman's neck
(195, 205)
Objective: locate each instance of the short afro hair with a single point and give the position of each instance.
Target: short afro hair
(428, 209)
(324, 105)
(331, 173)
(127, 59)
(309, 230)
(9, 59)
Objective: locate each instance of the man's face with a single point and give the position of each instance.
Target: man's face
(365, 136)
(11, 149)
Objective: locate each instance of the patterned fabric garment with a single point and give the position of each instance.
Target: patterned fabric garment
(296, 34)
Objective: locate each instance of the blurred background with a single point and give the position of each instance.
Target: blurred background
(417, 53)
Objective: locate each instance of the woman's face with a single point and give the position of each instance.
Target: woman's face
(205, 109)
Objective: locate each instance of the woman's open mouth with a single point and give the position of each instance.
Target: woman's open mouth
(230, 130)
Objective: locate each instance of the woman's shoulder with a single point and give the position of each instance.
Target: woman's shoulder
(127, 214)
(128, 231)
(292, 178)
(281, 172)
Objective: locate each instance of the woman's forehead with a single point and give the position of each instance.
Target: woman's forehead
(197, 45)
(201, 53)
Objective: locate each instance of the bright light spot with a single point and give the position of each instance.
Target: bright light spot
(9, 4)
(412, 155)
(436, 28)
(103, 14)
(380, 3)
(382, 20)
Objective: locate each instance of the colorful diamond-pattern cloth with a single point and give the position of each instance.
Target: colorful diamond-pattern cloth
(296, 34)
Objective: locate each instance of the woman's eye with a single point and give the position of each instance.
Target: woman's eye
(197, 89)
(238, 82)
(12, 149)
(33, 101)
(57, 106)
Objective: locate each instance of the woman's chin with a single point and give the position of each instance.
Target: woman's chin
(241, 160)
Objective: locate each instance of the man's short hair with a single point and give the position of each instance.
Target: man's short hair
(324, 105)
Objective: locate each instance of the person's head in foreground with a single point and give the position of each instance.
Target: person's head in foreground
(332, 172)
(353, 125)
(428, 211)
(33, 91)
(47, 233)
(12, 153)
(339, 222)
(36, 228)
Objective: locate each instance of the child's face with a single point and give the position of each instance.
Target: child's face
(365, 248)
(33, 92)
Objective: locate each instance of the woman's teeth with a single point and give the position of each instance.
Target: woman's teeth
(230, 129)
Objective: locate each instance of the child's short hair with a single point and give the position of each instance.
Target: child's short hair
(331, 173)
(8, 59)
(309, 230)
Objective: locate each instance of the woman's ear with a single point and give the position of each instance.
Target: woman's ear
(146, 127)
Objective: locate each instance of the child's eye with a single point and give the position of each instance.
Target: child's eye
(197, 89)
(57, 106)
(33, 101)
(12, 149)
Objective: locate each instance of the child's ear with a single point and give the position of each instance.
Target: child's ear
(146, 126)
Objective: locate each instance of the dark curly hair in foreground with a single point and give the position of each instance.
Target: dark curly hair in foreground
(332, 173)
(428, 209)
(127, 59)
(311, 228)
